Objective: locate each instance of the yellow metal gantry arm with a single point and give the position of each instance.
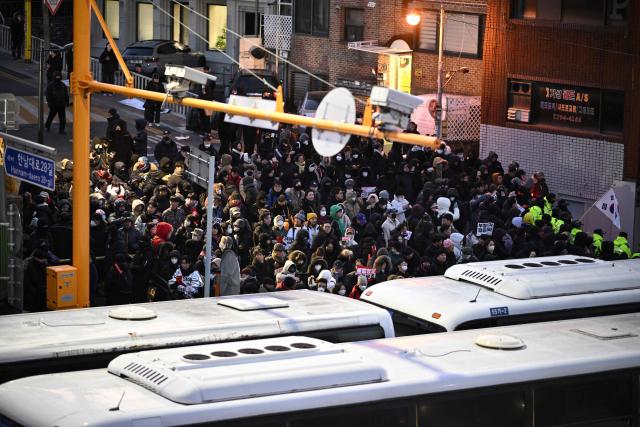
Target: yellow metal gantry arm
(274, 116)
(114, 46)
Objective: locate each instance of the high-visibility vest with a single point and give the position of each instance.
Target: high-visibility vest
(556, 224)
(574, 231)
(621, 246)
(536, 213)
(548, 207)
(597, 244)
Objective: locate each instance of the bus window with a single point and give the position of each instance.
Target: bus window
(405, 325)
(363, 333)
(604, 402)
(499, 409)
(361, 415)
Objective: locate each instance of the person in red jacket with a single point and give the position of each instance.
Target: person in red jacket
(358, 288)
(163, 232)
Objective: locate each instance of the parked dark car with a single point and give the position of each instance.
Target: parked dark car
(246, 84)
(150, 56)
(310, 103)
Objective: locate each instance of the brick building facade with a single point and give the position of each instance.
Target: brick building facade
(326, 52)
(561, 92)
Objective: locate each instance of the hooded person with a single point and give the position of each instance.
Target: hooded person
(288, 271)
(325, 281)
(352, 204)
(229, 268)
(163, 233)
(444, 204)
(339, 219)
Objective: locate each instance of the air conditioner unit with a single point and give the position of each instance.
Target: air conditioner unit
(251, 57)
(520, 88)
(518, 115)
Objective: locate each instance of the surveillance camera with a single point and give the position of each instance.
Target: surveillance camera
(180, 77)
(394, 107)
(464, 70)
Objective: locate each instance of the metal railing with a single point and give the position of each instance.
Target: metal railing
(139, 82)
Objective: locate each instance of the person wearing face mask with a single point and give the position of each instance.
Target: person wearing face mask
(312, 228)
(289, 271)
(400, 204)
(359, 288)
(57, 96)
(152, 108)
(278, 230)
(244, 240)
(295, 195)
(314, 269)
(207, 145)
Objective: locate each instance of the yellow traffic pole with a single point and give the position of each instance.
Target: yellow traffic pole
(274, 116)
(114, 46)
(81, 122)
(27, 23)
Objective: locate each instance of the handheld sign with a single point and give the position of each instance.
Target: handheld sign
(484, 229)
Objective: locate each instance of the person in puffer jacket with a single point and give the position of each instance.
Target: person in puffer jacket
(187, 281)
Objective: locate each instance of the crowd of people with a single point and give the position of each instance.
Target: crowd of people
(285, 218)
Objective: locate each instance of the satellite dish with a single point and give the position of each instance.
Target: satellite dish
(337, 106)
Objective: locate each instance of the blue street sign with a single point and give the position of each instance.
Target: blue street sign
(30, 167)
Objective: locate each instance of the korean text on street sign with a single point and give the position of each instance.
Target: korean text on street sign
(29, 167)
(484, 229)
(53, 5)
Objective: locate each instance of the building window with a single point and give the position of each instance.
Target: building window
(573, 107)
(180, 16)
(249, 21)
(217, 29)
(311, 17)
(354, 25)
(112, 17)
(145, 21)
(463, 33)
(586, 12)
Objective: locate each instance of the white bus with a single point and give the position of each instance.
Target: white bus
(580, 372)
(496, 293)
(69, 340)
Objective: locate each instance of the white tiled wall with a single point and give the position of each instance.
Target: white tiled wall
(578, 167)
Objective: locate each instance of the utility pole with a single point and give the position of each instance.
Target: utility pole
(440, 70)
(27, 24)
(81, 122)
(43, 52)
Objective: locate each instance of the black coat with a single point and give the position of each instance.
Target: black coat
(17, 31)
(122, 147)
(54, 64)
(109, 61)
(57, 95)
(35, 285)
(153, 87)
(168, 150)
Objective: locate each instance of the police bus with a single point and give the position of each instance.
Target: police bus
(580, 372)
(485, 294)
(56, 341)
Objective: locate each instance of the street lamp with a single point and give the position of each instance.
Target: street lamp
(413, 18)
(451, 74)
